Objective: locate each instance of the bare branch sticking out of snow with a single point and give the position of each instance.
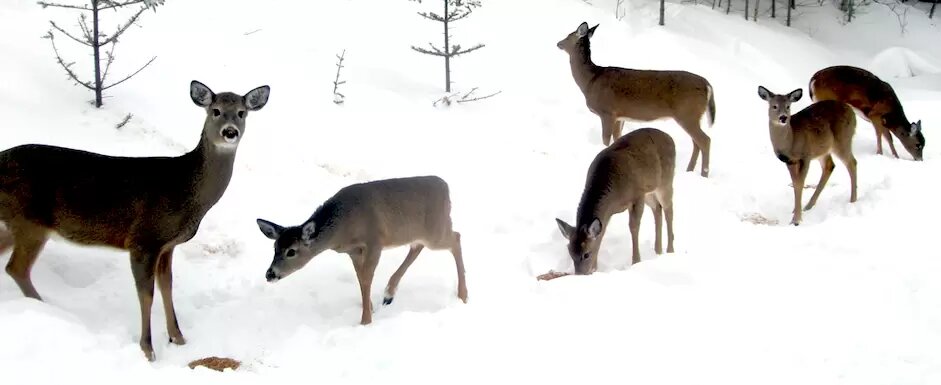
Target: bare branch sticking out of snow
(338, 98)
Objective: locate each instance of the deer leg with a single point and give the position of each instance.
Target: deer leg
(165, 283)
(142, 265)
(693, 158)
(657, 211)
(798, 171)
(6, 240)
(636, 212)
(28, 242)
(365, 270)
(850, 162)
(888, 137)
(701, 140)
(665, 197)
(459, 263)
(827, 166)
(397, 276)
(608, 123)
(618, 128)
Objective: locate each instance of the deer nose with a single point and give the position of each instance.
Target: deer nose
(782, 119)
(271, 276)
(230, 134)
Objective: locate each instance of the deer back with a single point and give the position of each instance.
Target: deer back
(819, 127)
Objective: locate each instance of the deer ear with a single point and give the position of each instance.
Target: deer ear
(594, 230)
(591, 31)
(565, 228)
(582, 29)
(270, 229)
(795, 95)
(916, 127)
(201, 95)
(308, 231)
(763, 93)
(257, 98)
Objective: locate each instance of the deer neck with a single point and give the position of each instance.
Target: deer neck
(213, 169)
(782, 136)
(583, 69)
(595, 203)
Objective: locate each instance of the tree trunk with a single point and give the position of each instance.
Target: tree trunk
(931, 13)
(789, 8)
(95, 47)
(793, 4)
(773, 4)
(755, 15)
(447, 50)
(746, 10)
(662, 6)
(728, 6)
(849, 13)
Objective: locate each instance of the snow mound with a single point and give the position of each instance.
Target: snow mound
(900, 62)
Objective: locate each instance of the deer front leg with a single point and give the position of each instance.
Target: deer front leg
(142, 266)
(798, 171)
(365, 270)
(165, 283)
(608, 125)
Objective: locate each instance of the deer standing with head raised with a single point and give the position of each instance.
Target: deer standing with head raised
(145, 205)
(620, 94)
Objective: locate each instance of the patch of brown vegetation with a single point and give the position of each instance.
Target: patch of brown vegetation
(551, 275)
(216, 363)
(759, 219)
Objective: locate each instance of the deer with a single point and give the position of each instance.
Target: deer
(818, 132)
(875, 100)
(363, 219)
(635, 170)
(618, 94)
(143, 205)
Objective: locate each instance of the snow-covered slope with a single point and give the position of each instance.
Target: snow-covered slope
(849, 297)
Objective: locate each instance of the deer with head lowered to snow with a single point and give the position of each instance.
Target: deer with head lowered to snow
(620, 94)
(361, 220)
(877, 102)
(823, 129)
(637, 169)
(145, 205)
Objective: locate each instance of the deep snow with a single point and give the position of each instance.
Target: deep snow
(849, 297)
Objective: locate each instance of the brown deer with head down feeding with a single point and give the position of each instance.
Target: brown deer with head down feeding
(877, 102)
(619, 94)
(823, 129)
(361, 220)
(636, 169)
(146, 205)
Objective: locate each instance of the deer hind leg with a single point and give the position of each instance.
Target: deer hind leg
(888, 137)
(700, 141)
(636, 213)
(827, 166)
(459, 263)
(608, 125)
(6, 239)
(657, 210)
(664, 196)
(846, 156)
(164, 274)
(28, 242)
(143, 263)
(365, 267)
(397, 276)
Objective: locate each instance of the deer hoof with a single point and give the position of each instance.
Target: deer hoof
(387, 300)
(178, 340)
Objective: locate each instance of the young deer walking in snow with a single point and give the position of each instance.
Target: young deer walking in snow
(619, 94)
(636, 169)
(877, 102)
(822, 129)
(145, 205)
(363, 219)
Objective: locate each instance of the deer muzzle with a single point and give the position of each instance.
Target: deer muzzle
(272, 275)
(230, 134)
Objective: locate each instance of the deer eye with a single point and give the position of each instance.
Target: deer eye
(290, 253)
(586, 256)
(216, 112)
(774, 107)
(241, 114)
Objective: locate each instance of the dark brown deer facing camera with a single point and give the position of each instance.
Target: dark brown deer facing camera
(822, 129)
(619, 94)
(637, 168)
(877, 102)
(146, 205)
(363, 219)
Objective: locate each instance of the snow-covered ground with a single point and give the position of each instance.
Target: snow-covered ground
(852, 296)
